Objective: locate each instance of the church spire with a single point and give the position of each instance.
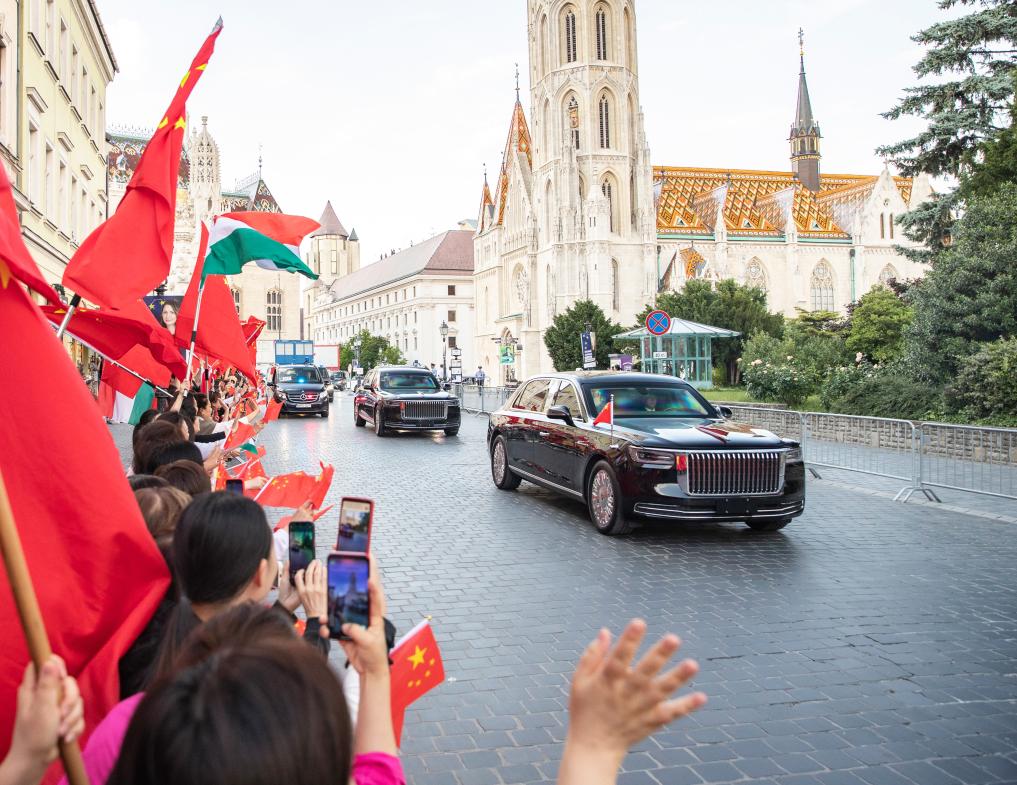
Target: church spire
(805, 134)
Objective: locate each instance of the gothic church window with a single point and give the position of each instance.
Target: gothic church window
(610, 193)
(882, 226)
(821, 287)
(755, 274)
(630, 40)
(601, 30)
(542, 44)
(891, 226)
(273, 312)
(236, 298)
(615, 299)
(570, 49)
(605, 122)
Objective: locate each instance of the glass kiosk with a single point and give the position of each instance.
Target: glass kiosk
(684, 351)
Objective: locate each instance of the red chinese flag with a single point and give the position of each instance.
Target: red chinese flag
(272, 410)
(15, 260)
(416, 669)
(606, 416)
(97, 572)
(287, 490)
(129, 254)
(321, 486)
(284, 522)
(241, 433)
(219, 332)
(252, 331)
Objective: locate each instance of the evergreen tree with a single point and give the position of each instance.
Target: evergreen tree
(563, 337)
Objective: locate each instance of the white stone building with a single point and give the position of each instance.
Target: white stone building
(580, 213)
(405, 298)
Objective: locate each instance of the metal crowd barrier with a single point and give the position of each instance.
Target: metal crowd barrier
(481, 400)
(925, 455)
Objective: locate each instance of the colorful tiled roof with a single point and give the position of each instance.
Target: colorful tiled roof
(757, 203)
(518, 140)
(125, 150)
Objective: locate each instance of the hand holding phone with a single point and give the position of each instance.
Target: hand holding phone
(348, 594)
(355, 519)
(301, 546)
(235, 486)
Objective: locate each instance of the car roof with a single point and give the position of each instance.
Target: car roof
(587, 378)
(404, 368)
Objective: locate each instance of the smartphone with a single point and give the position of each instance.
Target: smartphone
(301, 546)
(235, 486)
(355, 516)
(348, 601)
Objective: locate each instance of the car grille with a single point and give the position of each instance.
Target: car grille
(425, 410)
(301, 397)
(749, 472)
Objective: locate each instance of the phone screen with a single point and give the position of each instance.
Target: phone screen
(354, 526)
(347, 592)
(235, 486)
(301, 546)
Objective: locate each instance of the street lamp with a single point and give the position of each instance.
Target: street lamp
(444, 349)
(356, 351)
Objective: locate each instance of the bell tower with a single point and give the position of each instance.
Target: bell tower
(805, 135)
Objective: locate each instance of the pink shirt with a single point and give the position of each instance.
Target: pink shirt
(103, 749)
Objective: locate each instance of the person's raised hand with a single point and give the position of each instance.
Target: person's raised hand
(367, 649)
(255, 483)
(615, 704)
(213, 459)
(303, 514)
(289, 598)
(312, 587)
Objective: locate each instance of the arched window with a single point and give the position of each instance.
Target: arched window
(891, 226)
(570, 49)
(755, 274)
(548, 132)
(601, 29)
(630, 41)
(821, 287)
(236, 298)
(608, 188)
(633, 120)
(615, 299)
(572, 120)
(882, 226)
(273, 310)
(888, 274)
(605, 121)
(552, 308)
(487, 305)
(542, 43)
(549, 213)
(582, 189)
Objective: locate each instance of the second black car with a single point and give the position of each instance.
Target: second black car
(405, 399)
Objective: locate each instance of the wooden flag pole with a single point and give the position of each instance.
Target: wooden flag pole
(31, 620)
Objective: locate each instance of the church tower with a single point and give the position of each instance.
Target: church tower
(805, 133)
(592, 176)
(205, 182)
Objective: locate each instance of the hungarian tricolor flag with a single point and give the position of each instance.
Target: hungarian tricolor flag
(416, 670)
(606, 416)
(270, 240)
(97, 571)
(129, 254)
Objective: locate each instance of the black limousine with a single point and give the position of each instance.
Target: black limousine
(405, 399)
(670, 454)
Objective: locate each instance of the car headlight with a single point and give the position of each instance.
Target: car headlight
(650, 459)
(793, 455)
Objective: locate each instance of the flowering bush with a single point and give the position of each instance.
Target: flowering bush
(789, 382)
(840, 381)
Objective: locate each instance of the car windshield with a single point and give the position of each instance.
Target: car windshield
(408, 380)
(649, 401)
(298, 376)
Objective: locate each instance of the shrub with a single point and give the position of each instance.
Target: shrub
(986, 384)
(890, 395)
(787, 382)
(842, 380)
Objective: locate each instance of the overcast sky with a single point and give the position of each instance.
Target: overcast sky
(390, 109)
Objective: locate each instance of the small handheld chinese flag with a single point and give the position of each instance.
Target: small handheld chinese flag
(416, 670)
(606, 415)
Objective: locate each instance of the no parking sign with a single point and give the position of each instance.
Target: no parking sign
(658, 323)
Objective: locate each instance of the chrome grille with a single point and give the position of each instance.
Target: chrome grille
(425, 410)
(735, 473)
(299, 397)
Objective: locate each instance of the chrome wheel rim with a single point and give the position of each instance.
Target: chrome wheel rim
(377, 421)
(602, 499)
(499, 463)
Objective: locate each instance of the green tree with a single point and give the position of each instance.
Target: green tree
(878, 322)
(970, 294)
(563, 337)
(374, 350)
(731, 306)
(998, 165)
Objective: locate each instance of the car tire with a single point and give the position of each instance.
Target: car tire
(768, 526)
(451, 431)
(324, 414)
(357, 419)
(502, 475)
(604, 501)
(379, 422)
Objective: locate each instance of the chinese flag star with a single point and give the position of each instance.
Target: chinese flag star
(416, 670)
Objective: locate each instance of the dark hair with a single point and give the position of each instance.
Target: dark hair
(241, 626)
(213, 397)
(161, 508)
(200, 401)
(168, 453)
(150, 438)
(186, 475)
(258, 714)
(140, 481)
(146, 417)
(177, 418)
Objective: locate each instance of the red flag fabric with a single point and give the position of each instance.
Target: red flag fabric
(321, 486)
(107, 397)
(15, 260)
(119, 381)
(293, 490)
(272, 411)
(129, 254)
(416, 669)
(97, 572)
(252, 331)
(606, 415)
(284, 522)
(219, 332)
(241, 433)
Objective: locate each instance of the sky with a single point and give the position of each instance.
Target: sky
(391, 109)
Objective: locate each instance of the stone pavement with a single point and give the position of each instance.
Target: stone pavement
(869, 643)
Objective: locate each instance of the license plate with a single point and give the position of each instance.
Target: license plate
(303, 406)
(733, 506)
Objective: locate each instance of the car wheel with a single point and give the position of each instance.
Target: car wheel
(324, 414)
(768, 526)
(379, 423)
(604, 499)
(451, 431)
(357, 419)
(500, 471)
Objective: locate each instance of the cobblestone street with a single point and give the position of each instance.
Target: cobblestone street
(868, 643)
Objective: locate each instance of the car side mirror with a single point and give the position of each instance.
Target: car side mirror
(725, 412)
(446, 387)
(561, 413)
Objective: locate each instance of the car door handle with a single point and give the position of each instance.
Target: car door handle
(543, 434)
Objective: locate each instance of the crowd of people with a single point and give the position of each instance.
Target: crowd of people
(221, 688)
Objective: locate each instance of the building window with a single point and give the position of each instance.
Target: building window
(891, 226)
(608, 190)
(33, 162)
(72, 214)
(601, 24)
(882, 226)
(387, 299)
(51, 32)
(62, 197)
(605, 122)
(236, 298)
(452, 291)
(822, 287)
(414, 317)
(452, 342)
(755, 274)
(414, 343)
(273, 312)
(615, 299)
(451, 316)
(49, 182)
(571, 50)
